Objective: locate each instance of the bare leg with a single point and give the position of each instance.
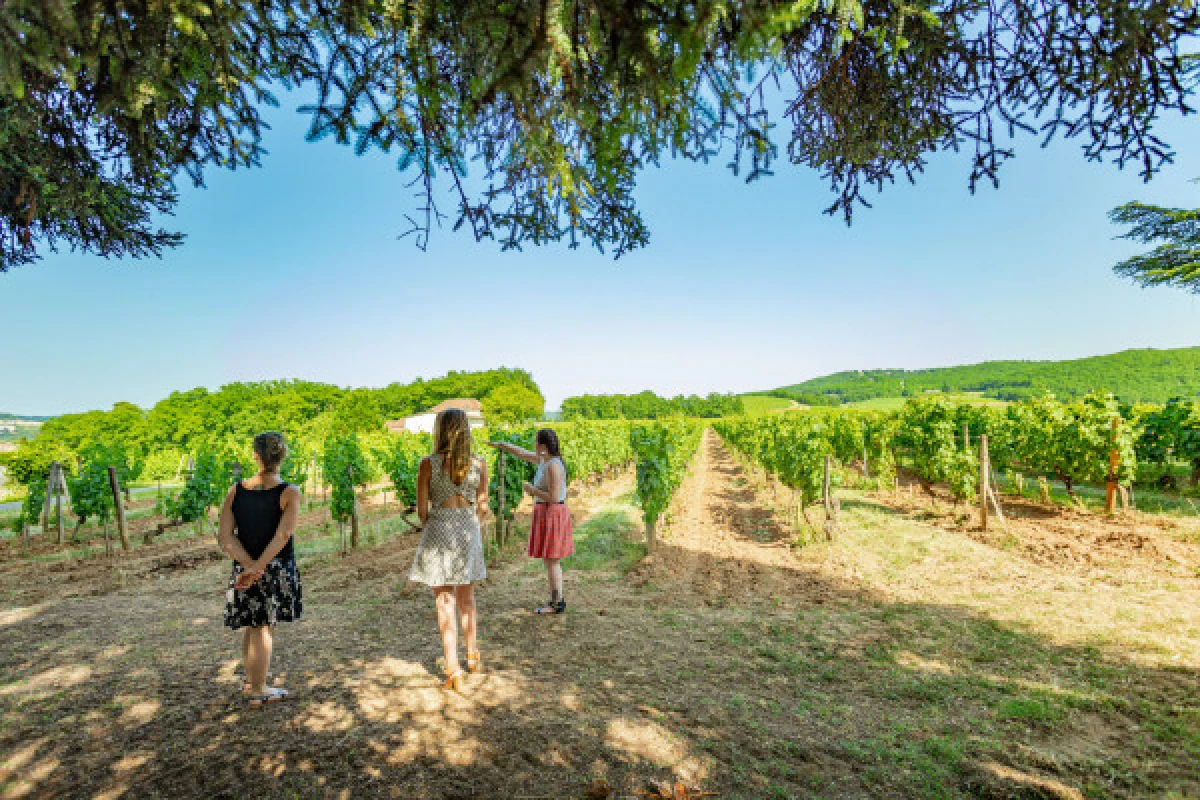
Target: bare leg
(258, 644)
(465, 597)
(443, 600)
(554, 577)
(246, 659)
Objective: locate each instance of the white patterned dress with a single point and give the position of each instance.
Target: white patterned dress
(451, 548)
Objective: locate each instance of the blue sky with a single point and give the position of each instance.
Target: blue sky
(296, 270)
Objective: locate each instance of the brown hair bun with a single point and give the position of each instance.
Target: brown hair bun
(271, 448)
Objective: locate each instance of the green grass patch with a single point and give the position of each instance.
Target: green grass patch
(1029, 709)
(609, 539)
(755, 404)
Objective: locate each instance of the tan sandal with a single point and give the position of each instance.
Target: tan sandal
(474, 661)
(454, 681)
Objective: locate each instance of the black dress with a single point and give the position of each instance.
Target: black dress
(276, 596)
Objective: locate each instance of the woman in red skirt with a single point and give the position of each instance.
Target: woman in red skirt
(550, 537)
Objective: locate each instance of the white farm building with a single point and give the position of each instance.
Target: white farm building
(423, 422)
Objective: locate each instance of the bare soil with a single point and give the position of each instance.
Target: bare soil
(1122, 544)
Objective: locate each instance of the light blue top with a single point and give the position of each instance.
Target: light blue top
(542, 481)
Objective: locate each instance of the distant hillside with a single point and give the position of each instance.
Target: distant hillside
(5, 416)
(1133, 375)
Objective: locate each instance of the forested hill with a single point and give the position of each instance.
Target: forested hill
(1132, 375)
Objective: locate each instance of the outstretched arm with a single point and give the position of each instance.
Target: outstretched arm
(518, 452)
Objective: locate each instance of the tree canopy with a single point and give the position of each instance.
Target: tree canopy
(189, 421)
(1176, 259)
(558, 104)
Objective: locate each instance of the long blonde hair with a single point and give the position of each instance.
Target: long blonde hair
(452, 440)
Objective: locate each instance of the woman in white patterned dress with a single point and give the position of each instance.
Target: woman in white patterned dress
(451, 501)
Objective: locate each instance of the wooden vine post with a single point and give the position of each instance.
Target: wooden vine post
(1114, 461)
(119, 507)
(353, 509)
(827, 498)
(49, 501)
(59, 490)
(56, 488)
(984, 480)
(987, 488)
(502, 487)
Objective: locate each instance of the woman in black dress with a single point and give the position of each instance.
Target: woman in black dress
(257, 521)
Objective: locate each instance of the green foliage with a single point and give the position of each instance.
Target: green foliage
(358, 410)
(1072, 440)
(205, 489)
(91, 491)
(227, 420)
(162, 465)
(879, 433)
(516, 471)
(846, 437)
(32, 505)
(29, 465)
(1132, 375)
(294, 468)
(962, 475)
(663, 450)
(345, 466)
(400, 457)
(648, 405)
(793, 446)
(1176, 260)
(512, 403)
(790, 446)
(927, 431)
(1171, 432)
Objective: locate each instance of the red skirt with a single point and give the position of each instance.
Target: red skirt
(550, 535)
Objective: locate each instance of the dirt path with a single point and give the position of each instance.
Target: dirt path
(728, 660)
(724, 546)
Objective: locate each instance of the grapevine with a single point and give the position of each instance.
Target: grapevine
(663, 451)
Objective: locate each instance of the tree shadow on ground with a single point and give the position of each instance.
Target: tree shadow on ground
(836, 691)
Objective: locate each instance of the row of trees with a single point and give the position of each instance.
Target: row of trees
(648, 405)
(154, 442)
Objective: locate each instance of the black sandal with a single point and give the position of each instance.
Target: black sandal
(552, 607)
